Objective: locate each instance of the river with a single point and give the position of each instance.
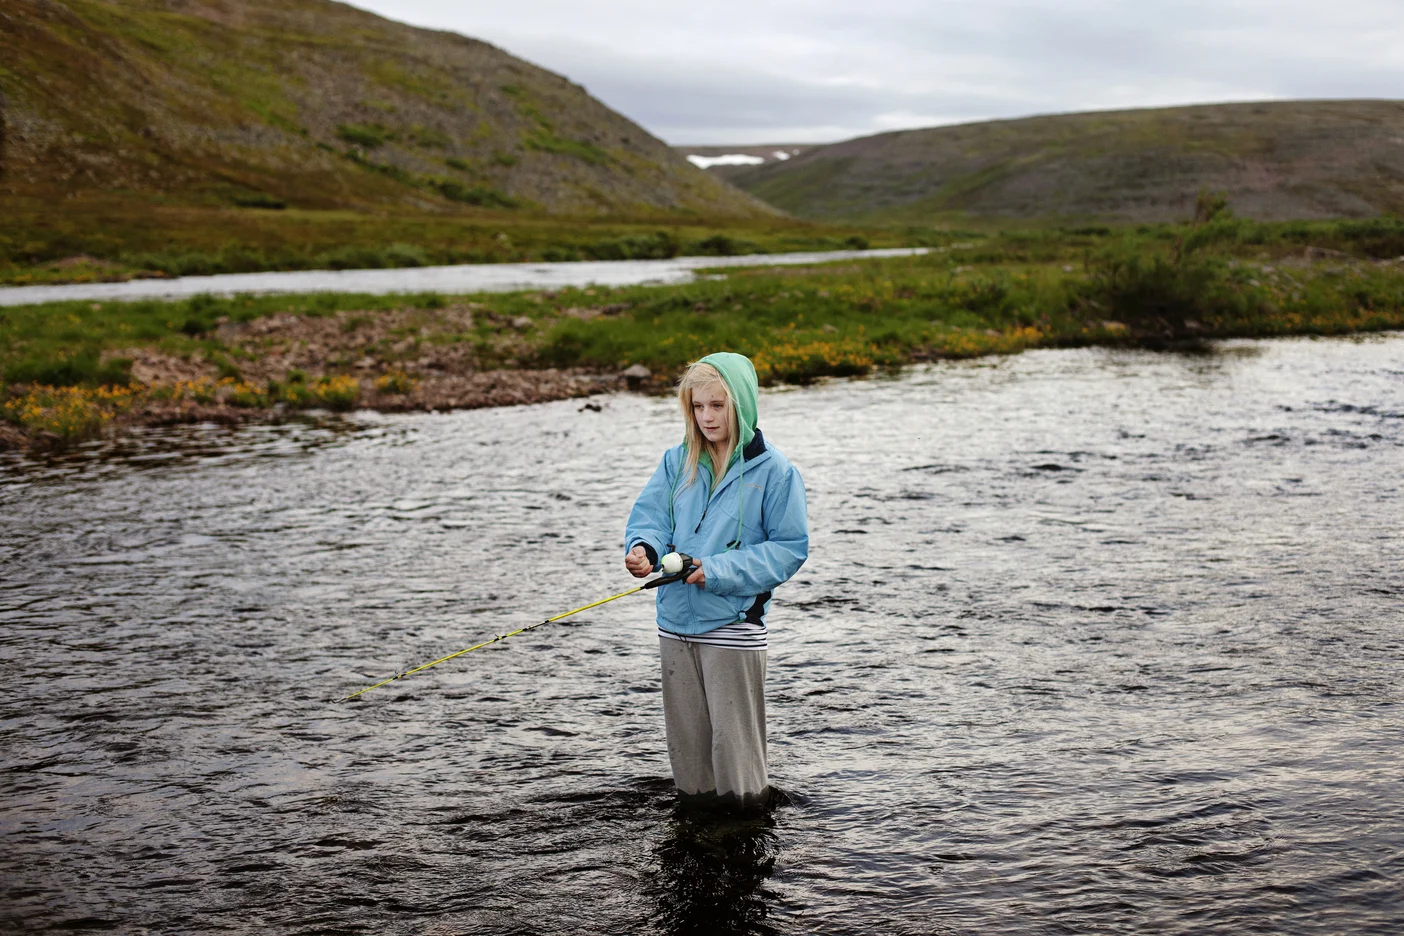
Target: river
(462, 278)
(1090, 641)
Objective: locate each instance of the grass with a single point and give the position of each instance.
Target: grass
(1171, 286)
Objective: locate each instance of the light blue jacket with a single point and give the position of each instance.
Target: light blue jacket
(761, 496)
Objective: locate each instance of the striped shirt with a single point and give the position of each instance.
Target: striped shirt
(742, 635)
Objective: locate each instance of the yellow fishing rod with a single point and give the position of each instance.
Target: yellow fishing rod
(684, 571)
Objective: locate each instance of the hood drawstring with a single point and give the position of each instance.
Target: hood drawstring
(740, 503)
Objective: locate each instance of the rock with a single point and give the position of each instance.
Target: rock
(521, 323)
(636, 372)
(828, 328)
(366, 362)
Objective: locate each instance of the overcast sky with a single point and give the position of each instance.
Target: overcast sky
(786, 71)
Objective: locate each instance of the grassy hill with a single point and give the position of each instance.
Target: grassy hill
(280, 128)
(1275, 161)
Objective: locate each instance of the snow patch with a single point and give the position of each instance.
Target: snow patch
(731, 159)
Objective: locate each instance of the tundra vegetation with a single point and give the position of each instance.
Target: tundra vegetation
(70, 370)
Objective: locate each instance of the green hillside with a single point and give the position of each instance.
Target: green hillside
(311, 104)
(1275, 161)
(132, 128)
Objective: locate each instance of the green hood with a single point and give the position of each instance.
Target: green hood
(739, 375)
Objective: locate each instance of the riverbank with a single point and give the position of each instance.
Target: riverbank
(76, 369)
(118, 243)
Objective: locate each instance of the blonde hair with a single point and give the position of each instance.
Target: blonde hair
(697, 377)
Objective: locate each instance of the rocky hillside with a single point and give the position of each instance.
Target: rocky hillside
(1287, 160)
(311, 104)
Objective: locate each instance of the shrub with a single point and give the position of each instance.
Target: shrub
(395, 381)
(338, 393)
(243, 394)
(479, 195)
(368, 136)
(83, 366)
(798, 361)
(405, 255)
(1157, 297)
(260, 200)
(720, 245)
(1211, 206)
(545, 140)
(658, 246)
(67, 413)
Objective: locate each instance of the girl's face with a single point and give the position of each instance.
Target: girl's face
(709, 409)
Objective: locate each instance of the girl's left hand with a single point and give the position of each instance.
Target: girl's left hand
(698, 577)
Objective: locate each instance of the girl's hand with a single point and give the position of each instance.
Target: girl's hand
(637, 562)
(698, 577)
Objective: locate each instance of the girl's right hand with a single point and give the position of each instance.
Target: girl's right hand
(637, 562)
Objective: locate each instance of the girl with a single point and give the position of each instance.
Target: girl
(730, 500)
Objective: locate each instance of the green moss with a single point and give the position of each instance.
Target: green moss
(545, 141)
(471, 195)
(429, 137)
(368, 136)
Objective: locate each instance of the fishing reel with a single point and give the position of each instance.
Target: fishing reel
(681, 561)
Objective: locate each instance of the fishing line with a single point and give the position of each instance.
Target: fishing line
(685, 570)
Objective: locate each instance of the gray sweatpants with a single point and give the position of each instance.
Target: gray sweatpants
(714, 712)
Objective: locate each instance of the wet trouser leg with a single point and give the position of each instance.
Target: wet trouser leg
(714, 712)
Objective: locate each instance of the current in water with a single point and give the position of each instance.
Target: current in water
(1090, 642)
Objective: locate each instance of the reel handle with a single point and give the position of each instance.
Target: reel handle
(676, 576)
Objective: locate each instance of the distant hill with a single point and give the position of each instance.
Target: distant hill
(311, 104)
(1301, 159)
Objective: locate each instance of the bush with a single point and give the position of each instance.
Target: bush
(802, 361)
(720, 245)
(338, 393)
(406, 255)
(1211, 206)
(260, 200)
(368, 136)
(1158, 298)
(67, 413)
(479, 195)
(395, 381)
(83, 367)
(659, 246)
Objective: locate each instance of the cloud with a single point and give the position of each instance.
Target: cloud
(784, 71)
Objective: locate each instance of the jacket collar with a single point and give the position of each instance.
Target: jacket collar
(755, 446)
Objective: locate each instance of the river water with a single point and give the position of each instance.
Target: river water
(461, 278)
(1089, 642)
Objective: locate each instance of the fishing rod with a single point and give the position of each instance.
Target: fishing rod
(676, 567)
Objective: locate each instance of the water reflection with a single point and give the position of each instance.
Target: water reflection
(712, 868)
